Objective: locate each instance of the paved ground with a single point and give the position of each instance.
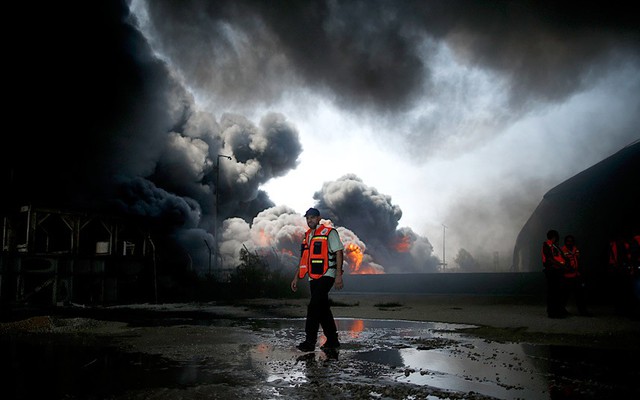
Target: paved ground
(394, 347)
(510, 318)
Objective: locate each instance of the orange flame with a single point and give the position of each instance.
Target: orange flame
(356, 328)
(354, 257)
(403, 244)
(264, 239)
(368, 270)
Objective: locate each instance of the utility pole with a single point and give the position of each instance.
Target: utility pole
(208, 247)
(155, 269)
(215, 213)
(444, 257)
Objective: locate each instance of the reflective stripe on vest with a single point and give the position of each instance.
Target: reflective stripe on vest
(572, 256)
(556, 254)
(304, 260)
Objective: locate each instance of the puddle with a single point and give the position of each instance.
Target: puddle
(377, 359)
(434, 355)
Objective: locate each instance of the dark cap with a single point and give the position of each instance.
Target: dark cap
(312, 212)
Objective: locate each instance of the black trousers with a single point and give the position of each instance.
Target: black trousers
(556, 294)
(575, 287)
(319, 311)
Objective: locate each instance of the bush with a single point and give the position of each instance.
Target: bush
(254, 278)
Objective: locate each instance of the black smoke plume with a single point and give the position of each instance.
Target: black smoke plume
(133, 106)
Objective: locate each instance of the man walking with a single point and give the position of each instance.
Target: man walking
(321, 258)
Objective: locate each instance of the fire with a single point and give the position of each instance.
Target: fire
(354, 257)
(368, 270)
(403, 244)
(263, 239)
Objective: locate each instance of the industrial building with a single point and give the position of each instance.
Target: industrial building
(54, 257)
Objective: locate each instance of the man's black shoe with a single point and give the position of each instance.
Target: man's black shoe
(330, 346)
(306, 346)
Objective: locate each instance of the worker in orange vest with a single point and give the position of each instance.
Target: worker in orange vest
(574, 280)
(555, 267)
(321, 258)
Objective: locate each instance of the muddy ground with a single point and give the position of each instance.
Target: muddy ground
(393, 347)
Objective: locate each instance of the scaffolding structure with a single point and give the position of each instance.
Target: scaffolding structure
(56, 257)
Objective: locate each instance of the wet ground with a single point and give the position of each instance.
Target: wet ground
(193, 357)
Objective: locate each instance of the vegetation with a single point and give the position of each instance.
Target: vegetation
(388, 305)
(335, 303)
(252, 278)
(466, 262)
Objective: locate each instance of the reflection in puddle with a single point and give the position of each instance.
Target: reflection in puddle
(499, 370)
(375, 355)
(389, 357)
(434, 355)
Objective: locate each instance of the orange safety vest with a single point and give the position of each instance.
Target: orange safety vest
(619, 254)
(572, 256)
(555, 252)
(314, 258)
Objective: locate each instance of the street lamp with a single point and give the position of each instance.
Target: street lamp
(215, 213)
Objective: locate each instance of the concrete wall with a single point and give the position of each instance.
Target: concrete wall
(525, 284)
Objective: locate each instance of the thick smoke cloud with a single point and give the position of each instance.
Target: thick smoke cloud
(128, 106)
(372, 54)
(374, 218)
(118, 133)
(358, 52)
(431, 76)
(370, 246)
(82, 114)
(136, 143)
(488, 232)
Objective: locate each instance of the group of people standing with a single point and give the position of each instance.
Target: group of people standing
(565, 278)
(563, 275)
